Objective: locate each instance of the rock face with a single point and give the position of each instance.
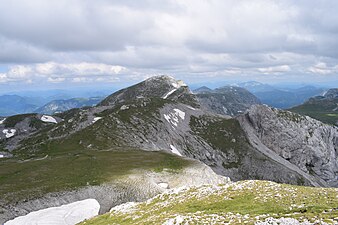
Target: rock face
(230, 101)
(301, 140)
(331, 93)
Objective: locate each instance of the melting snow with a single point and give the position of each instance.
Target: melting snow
(173, 118)
(63, 215)
(48, 119)
(9, 133)
(174, 150)
(189, 107)
(96, 119)
(180, 113)
(3, 120)
(169, 93)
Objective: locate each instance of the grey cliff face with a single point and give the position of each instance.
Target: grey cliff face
(305, 142)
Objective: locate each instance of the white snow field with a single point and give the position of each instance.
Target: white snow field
(174, 150)
(48, 119)
(2, 120)
(9, 133)
(96, 119)
(69, 214)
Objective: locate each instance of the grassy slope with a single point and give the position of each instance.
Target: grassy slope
(238, 203)
(23, 180)
(321, 110)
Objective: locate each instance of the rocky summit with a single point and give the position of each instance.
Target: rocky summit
(157, 136)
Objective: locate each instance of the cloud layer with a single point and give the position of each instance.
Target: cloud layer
(82, 40)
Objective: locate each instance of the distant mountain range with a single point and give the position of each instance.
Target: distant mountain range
(15, 104)
(58, 106)
(227, 100)
(278, 97)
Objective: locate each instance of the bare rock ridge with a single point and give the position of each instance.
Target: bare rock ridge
(305, 142)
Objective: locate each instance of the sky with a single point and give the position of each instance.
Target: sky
(59, 43)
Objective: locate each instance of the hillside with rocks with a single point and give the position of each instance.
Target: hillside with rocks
(244, 202)
(155, 126)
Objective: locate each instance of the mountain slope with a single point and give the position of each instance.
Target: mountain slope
(245, 202)
(227, 100)
(323, 108)
(160, 114)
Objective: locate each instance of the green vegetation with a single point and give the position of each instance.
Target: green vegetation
(27, 179)
(244, 202)
(294, 117)
(322, 110)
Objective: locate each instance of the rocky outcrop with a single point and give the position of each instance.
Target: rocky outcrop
(307, 143)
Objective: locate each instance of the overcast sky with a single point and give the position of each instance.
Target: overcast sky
(110, 41)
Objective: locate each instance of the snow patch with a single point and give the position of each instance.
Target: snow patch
(169, 93)
(63, 215)
(180, 113)
(2, 121)
(174, 150)
(173, 118)
(96, 119)
(2, 156)
(192, 108)
(48, 119)
(9, 133)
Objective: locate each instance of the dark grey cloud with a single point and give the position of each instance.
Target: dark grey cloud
(189, 37)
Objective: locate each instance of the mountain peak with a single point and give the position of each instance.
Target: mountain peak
(162, 86)
(160, 79)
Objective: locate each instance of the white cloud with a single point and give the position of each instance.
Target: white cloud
(323, 69)
(275, 69)
(86, 41)
(59, 72)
